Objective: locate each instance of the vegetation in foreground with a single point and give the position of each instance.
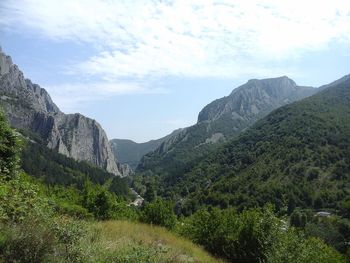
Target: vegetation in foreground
(135, 242)
(35, 227)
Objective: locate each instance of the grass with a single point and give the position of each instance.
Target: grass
(122, 241)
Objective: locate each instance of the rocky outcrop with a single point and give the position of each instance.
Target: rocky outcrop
(254, 98)
(126, 170)
(28, 106)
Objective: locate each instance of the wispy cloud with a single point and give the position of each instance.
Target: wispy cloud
(191, 38)
(71, 95)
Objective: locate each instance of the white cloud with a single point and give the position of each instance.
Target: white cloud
(190, 38)
(71, 96)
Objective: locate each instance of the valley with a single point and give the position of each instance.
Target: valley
(262, 176)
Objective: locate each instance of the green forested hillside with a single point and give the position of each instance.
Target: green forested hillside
(56, 169)
(298, 156)
(219, 121)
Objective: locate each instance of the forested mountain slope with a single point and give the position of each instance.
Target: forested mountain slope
(297, 156)
(219, 121)
(53, 168)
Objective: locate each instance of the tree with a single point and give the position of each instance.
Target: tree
(159, 212)
(8, 149)
(98, 200)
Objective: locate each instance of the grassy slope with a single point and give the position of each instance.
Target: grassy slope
(123, 241)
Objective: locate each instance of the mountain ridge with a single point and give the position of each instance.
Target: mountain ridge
(28, 106)
(219, 121)
(297, 156)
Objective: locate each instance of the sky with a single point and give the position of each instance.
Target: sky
(145, 68)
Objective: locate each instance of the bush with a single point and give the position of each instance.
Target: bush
(98, 201)
(8, 149)
(73, 210)
(124, 212)
(19, 199)
(291, 246)
(29, 241)
(69, 233)
(244, 237)
(160, 213)
(255, 235)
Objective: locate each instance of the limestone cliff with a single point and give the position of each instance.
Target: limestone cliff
(28, 106)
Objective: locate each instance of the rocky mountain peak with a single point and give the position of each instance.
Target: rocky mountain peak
(28, 106)
(5, 63)
(253, 97)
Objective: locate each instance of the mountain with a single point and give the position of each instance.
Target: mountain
(28, 106)
(130, 152)
(253, 99)
(297, 156)
(53, 168)
(219, 121)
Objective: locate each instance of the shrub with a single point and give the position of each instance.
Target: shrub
(291, 246)
(244, 237)
(8, 149)
(28, 241)
(69, 233)
(160, 213)
(98, 201)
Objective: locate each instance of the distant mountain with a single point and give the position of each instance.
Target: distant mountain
(28, 106)
(253, 99)
(297, 156)
(130, 152)
(219, 121)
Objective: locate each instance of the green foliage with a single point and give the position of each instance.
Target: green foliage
(292, 247)
(344, 206)
(56, 169)
(133, 254)
(244, 237)
(69, 233)
(159, 212)
(19, 199)
(8, 148)
(332, 230)
(255, 235)
(297, 156)
(98, 200)
(105, 205)
(168, 166)
(28, 241)
(125, 211)
(298, 219)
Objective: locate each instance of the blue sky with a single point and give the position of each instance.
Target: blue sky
(145, 68)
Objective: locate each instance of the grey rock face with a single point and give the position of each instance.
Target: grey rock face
(28, 106)
(254, 98)
(126, 170)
